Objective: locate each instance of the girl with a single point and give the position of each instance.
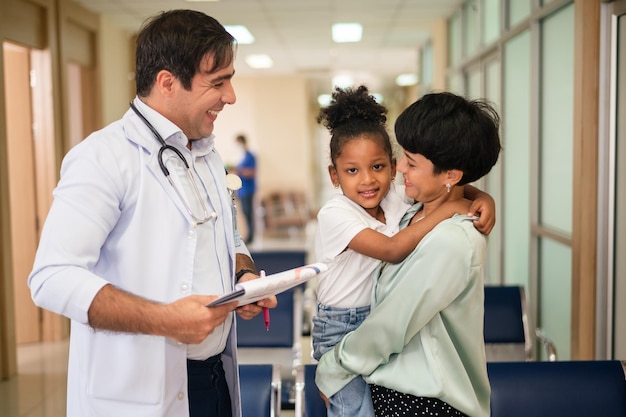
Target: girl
(360, 227)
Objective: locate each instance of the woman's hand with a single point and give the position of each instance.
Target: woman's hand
(325, 399)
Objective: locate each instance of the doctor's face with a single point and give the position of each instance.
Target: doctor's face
(196, 110)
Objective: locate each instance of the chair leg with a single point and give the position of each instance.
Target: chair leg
(275, 402)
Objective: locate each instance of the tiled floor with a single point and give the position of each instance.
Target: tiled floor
(39, 388)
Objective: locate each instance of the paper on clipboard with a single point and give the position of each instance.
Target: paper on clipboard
(257, 289)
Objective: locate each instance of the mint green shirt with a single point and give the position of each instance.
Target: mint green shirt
(424, 335)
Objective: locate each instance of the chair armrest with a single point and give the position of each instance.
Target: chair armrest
(548, 345)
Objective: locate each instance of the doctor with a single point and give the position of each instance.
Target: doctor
(140, 237)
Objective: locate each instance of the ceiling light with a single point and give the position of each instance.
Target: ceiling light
(259, 61)
(347, 32)
(201, 1)
(324, 99)
(342, 81)
(404, 80)
(239, 32)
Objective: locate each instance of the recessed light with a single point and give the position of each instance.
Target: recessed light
(342, 81)
(324, 100)
(347, 32)
(404, 80)
(241, 33)
(259, 61)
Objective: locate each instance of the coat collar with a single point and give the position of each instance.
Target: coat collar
(139, 133)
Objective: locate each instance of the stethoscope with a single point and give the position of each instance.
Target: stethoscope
(165, 147)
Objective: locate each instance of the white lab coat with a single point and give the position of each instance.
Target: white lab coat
(112, 195)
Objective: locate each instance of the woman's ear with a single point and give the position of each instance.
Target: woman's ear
(454, 176)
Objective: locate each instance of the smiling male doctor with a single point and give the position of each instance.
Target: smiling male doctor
(132, 257)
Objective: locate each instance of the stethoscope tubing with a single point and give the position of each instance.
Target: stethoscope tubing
(159, 138)
(166, 172)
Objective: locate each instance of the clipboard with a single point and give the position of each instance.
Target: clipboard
(257, 289)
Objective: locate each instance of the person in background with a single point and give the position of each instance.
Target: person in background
(140, 238)
(359, 227)
(421, 349)
(246, 169)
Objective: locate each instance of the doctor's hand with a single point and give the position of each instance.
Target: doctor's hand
(189, 320)
(250, 311)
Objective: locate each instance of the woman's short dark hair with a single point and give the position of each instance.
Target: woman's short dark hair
(453, 133)
(178, 41)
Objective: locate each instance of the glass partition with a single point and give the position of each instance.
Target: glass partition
(556, 145)
(515, 159)
(555, 295)
(491, 21)
(518, 10)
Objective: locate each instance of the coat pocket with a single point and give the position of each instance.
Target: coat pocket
(127, 368)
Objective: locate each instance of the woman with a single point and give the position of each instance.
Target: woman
(421, 349)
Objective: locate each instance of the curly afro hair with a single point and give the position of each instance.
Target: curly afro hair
(354, 113)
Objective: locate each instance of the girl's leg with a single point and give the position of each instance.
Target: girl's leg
(353, 400)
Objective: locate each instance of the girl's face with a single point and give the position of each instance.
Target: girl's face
(420, 181)
(364, 171)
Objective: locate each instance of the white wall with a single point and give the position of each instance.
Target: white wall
(116, 83)
(272, 113)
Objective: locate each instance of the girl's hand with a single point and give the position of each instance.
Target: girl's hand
(484, 207)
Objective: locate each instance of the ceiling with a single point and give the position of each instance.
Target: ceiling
(297, 33)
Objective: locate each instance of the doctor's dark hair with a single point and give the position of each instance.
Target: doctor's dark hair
(453, 133)
(178, 41)
(354, 113)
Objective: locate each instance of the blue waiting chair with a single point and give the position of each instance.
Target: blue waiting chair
(282, 344)
(286, 318)
(309, 403)
(563, 388)
(507, 337)
(260, 390)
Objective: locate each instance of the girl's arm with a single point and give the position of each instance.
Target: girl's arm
(482, 205)
(394, 249)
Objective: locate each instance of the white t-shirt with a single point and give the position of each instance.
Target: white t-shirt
(348, 283)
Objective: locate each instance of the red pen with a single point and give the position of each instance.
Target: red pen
(266, 311)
